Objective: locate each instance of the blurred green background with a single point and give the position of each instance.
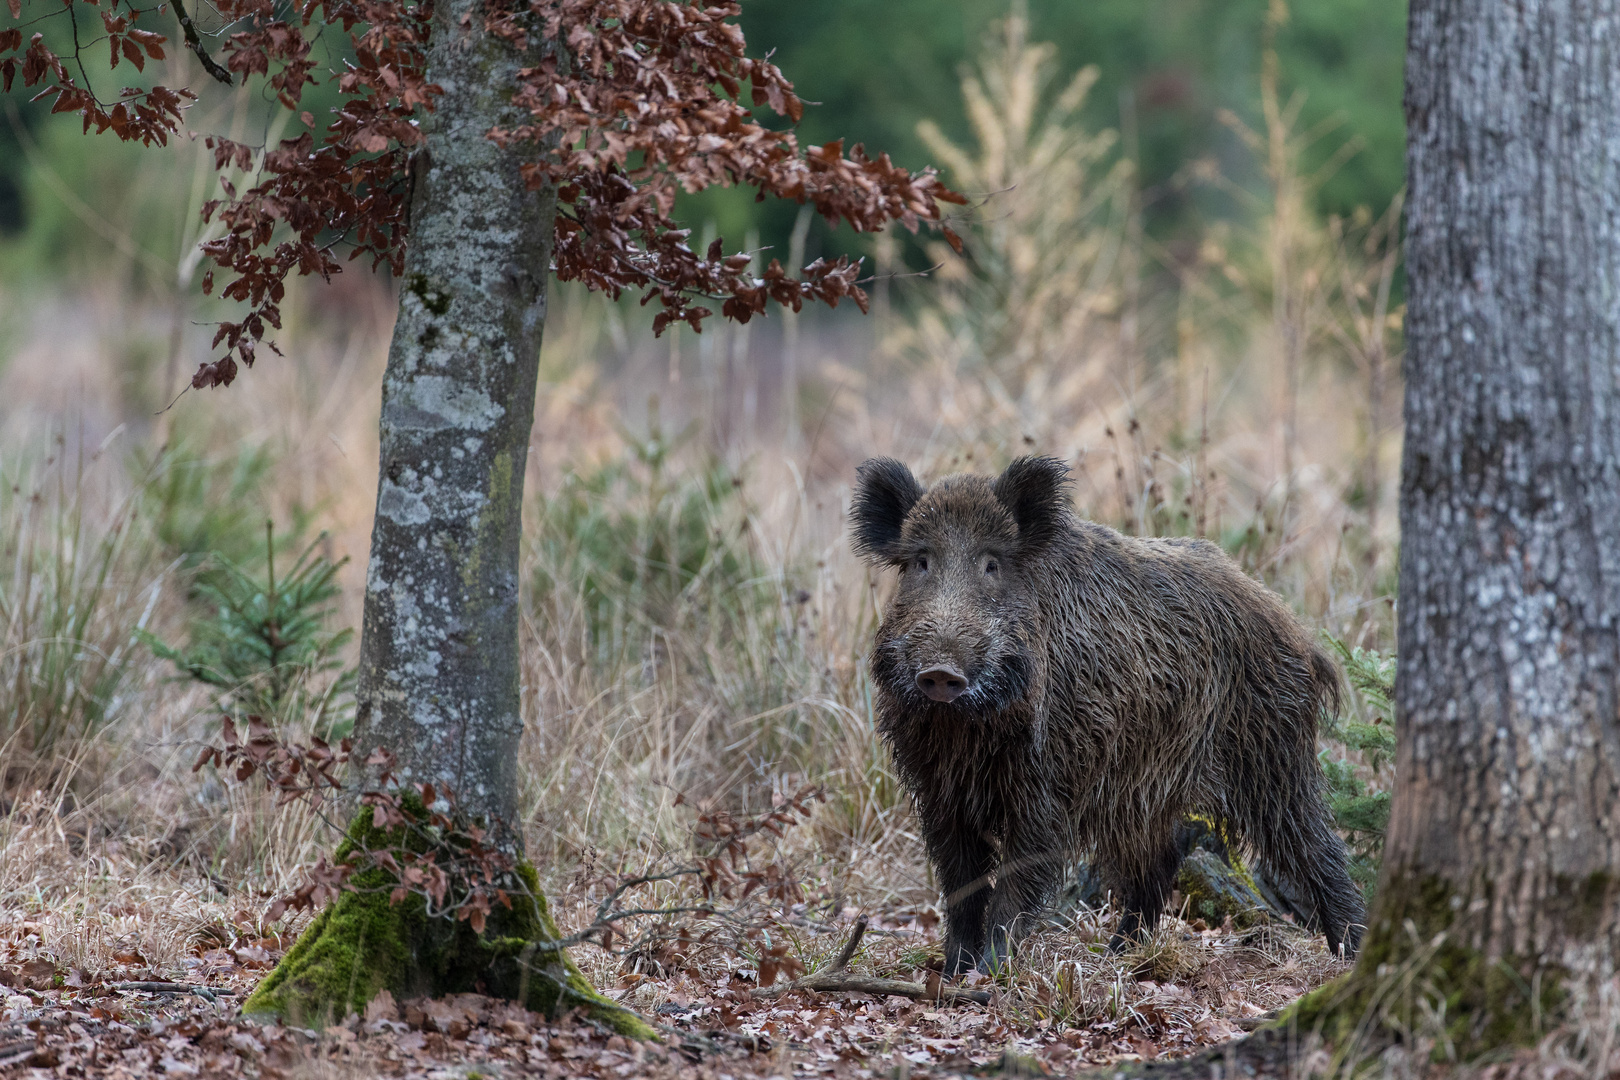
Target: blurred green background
(875, 68)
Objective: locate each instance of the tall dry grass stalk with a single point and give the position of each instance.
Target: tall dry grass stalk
(79, 580)
(1024, 315)
(1038, 341)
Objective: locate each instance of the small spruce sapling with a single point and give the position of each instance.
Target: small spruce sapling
(268, 643)
(1360, 812)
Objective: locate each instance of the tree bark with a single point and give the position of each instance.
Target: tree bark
(1504, 836)
(439, 644)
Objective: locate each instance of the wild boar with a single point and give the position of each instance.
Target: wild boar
(1052, 688)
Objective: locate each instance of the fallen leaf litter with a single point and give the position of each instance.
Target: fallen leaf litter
(1068, 1004)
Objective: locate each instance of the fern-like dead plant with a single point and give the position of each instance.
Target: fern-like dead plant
(1019, 324)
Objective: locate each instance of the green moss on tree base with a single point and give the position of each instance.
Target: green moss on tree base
(361, 944)
(1429, 985)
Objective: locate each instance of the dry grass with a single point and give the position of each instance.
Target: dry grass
(1239, 389)
(1021, 348)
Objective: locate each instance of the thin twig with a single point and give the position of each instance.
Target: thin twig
(833, 979)
(194, 43)
(848, 951)
(205, 992)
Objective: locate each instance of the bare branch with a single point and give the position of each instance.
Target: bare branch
(207, 993)
(838, 982)
(848, 951)
(833, 979)
(194, 43)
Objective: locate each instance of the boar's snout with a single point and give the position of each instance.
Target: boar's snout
(942, 682)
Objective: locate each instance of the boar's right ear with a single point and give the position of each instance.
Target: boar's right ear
(885, 492)
(1035, 492)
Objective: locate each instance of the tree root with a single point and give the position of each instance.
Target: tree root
(833, 979)
(1269, 1052)
(363, 942)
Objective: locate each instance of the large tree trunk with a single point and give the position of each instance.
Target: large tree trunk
(439, 644)
(1505, 836)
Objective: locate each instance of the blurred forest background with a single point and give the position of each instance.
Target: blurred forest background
(1181, 275)
(876, 70)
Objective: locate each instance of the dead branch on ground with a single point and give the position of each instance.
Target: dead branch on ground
(833, 979)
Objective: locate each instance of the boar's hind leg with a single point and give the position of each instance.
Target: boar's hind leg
(1297, 846)
(963, 857)
(1141, 880)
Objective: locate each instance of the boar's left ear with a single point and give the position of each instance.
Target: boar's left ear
(885, 492)
(1035, 491)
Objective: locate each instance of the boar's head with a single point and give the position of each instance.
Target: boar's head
(958, 636)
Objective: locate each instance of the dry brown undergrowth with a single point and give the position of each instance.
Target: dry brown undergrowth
(1184, 397)
(87, 913)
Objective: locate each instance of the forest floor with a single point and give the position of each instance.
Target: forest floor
(1068, 1005)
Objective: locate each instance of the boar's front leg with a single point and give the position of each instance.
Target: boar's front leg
(1030, 872)
(963, 857)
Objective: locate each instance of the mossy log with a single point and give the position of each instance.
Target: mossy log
(1214, 879)
(1216, 891)
(362, 944)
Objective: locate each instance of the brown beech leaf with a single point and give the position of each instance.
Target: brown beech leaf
(153, 43)
(38, 974)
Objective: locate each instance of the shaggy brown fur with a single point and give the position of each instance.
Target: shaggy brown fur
(1050, 687)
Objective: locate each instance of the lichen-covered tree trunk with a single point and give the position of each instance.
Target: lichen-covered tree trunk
(438, 650)
(439, 645)
(1505, 830)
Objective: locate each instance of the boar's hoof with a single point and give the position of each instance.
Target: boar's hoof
(942, 683)
(959, 960)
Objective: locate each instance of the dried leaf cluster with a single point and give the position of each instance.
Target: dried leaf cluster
(147, 116)
(644, 99)
(440, 854)
(630, 101)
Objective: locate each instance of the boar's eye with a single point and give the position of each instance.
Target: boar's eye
(921, 564)
(991, 567)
